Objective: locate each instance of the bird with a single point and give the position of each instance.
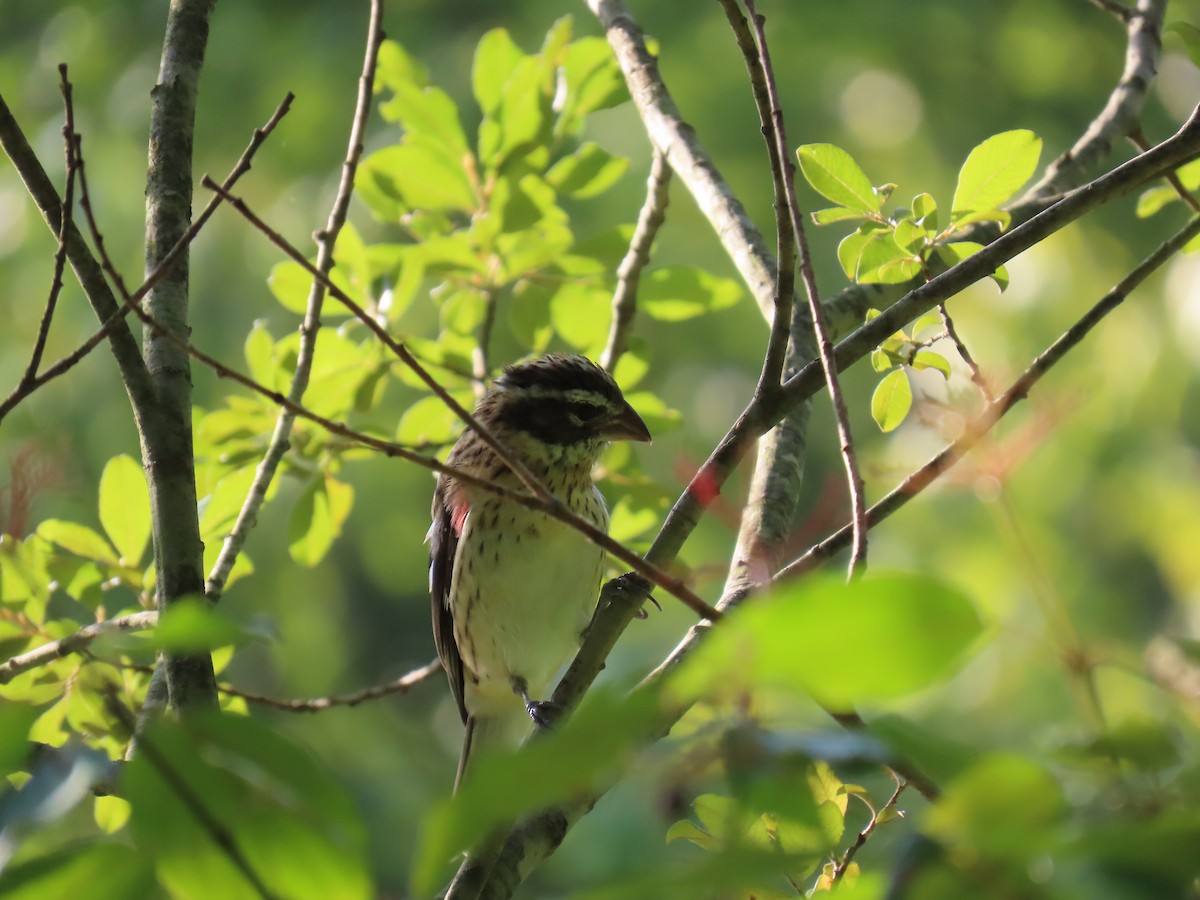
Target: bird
(512, 588)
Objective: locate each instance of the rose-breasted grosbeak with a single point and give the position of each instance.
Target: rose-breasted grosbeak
(512, 588)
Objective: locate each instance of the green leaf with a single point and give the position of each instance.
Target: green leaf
(259, 350)
(580, 314)
(1190, 35)
(521, 121)
(835, 175)
(317, 519)
(883, 261)
(431, 421)
(993, 172)
(429, 117)
(850, 249)
(400, 178)
(15, 721)
(924, 210)
(125, 508)
(875, 639)
(495, 58)
(930, 359)
(396, 67)
(111, 813)
(1004, 805)
(594, 82)
(910, 237)
(529, 316)
(891, 401)
(953, 253)
(108, 871)
(77, 539)
(593, 744)
(193, 625)
(835, 214)
(589, 171)
(675, 293)
(291, 822)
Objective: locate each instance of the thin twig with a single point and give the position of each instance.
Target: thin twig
(985, 421)
(60, 254)
(1122, 110)
(1137, 137)
(1118, 9)
(74, 643)
(401, 685)
(527, 478)
(839, 870)
(858, 555)
(481, 365)
(177, 784)
(264, 474)
(766, 103)
(637, 257)
(961, 346)
(70, 360)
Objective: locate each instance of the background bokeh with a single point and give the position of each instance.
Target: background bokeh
(1090, 493)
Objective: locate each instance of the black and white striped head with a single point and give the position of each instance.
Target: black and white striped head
(562, 401)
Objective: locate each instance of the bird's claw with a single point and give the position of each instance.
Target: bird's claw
(631, 588)
(543, 712)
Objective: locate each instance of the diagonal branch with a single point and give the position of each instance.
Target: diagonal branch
(326, 240)
(773, 122)
(74, 643)
(1019, 390)
(637, 257)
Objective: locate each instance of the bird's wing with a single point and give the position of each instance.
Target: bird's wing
(443, 542)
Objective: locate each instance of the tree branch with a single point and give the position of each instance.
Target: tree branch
(401, 685)
(74, 643)
(326, 240)
(982, 424)
(637, 257)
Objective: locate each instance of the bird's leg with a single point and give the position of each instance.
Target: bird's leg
(628, 588)
(543, 712)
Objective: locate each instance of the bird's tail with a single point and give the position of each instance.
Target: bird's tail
(487, 733)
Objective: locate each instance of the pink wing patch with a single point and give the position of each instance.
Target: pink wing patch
(458, 515)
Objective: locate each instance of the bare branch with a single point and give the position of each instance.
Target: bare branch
(975, 431)
(74, 643)
(839, 870)
(1118, 9)
(677, 141)
(1137, 137)
(961, 347)
(401, 685)
(637, 257)
(326, 240)
(67, 362)
(1121, 113)
(774, 121)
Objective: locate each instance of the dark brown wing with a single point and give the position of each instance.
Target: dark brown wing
(443, 543)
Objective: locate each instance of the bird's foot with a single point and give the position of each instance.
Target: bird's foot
(543, 712)
(630, 588)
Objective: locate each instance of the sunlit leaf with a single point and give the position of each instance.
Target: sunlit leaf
(125, 508)
(406, 176)
(316, 519)
(931, 359)
(193, 625)
(875, 639)
(891, 400)
(431, 421)
(993, 172)
(107, 871)
(1004, 805)
(835, 175)
(495, 58)
(835, 214)
(293, 825)
(675, 293)
(588, 171)
(77, 539)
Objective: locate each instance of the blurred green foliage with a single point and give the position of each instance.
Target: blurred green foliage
(498, 189)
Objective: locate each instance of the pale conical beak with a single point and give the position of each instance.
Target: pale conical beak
(627, 426)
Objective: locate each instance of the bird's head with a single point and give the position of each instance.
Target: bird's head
(564, 403)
